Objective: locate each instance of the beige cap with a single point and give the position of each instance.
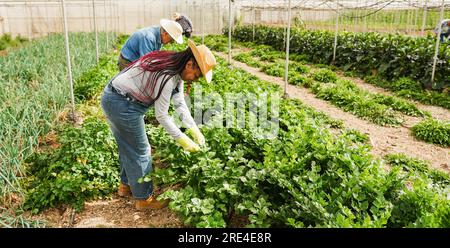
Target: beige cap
(205, 59)
(173, 28)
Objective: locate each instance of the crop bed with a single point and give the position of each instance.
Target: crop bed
(315, 173)
(378, 108)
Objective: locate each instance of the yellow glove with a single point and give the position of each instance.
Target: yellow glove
(197, 135)
(188, 144)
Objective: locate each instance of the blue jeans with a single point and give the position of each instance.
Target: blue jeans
(126, 120)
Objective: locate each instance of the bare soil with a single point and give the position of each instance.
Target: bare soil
(117, 212)
(385, 140)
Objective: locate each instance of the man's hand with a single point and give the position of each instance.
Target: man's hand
(176, 16)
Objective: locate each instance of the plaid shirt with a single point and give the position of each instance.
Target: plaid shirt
(445, 26)
(186, 24)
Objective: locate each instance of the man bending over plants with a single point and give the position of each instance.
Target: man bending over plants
(152, 81)
(151, 38)
(445, 30)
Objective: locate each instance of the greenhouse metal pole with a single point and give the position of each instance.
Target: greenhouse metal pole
(125, 20)
(336, 32)
(203, 22)
(95, 30)
(106, 24)
(424, 19)
(285, 27)
(288, 35)
(69, 65)
(253, 20)
(436, 51)
(116, 20)
(111, 22)
(145, 7)
(416, 15)
(2, 20)
(398, 21)
(365, 16)
(46, 22)
(408, 18)
(30, 9)
(219, 15)
(118, 17)
(28, 20)
(229, 31)
(116, 24)
(9, 20)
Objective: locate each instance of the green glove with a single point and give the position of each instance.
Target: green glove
(188, 144)
(197, 135)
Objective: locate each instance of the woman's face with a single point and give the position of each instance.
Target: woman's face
(191, 72)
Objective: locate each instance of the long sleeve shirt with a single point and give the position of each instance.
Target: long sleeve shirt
(134, 82)
(141, 42)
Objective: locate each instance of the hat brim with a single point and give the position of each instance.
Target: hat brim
(179, 40)
(165, 23)
(207, 74)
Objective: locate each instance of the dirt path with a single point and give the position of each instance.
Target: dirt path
(385, 140)
(116, 212)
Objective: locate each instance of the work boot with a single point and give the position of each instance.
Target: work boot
(124, 190)
(150, 203)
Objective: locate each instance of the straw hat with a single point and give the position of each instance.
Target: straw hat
(173, 28)
(205, 59)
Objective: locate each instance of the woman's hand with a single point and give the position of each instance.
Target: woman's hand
(188, 144)
(197, 135)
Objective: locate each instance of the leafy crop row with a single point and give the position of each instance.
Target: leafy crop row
(419, 167)
(34, 90)
(304, 178)
(407, 88)
(390, 56)
(85, 165)
(307, 177)
(415, 202)
(433, 131)
(7, 41)
(378, 108)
